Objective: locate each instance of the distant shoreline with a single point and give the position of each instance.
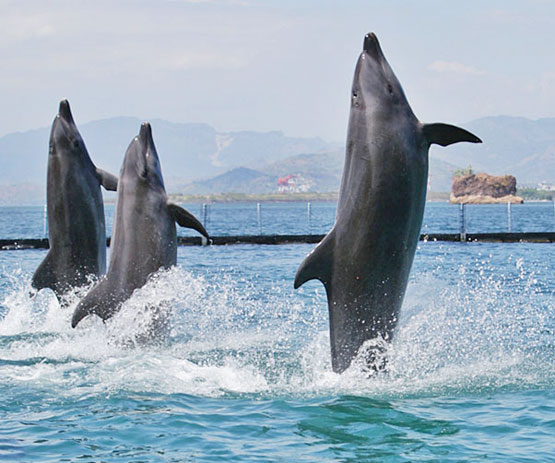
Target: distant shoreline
(278, 197)
(254, 198)
(432, 197)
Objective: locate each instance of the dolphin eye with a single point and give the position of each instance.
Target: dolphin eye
(355, 101)
(390, 89)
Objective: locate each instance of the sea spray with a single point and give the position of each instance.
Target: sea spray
(229, 336)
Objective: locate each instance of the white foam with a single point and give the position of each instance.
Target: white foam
(230, 337)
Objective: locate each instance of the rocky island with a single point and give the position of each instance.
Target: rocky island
(484, 189)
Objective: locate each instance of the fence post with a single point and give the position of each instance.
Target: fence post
(45, 222)
(509, 217)
(309, 216)
(462, 224)
(204, 214)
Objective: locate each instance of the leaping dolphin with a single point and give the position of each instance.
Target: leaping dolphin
(364, 261)
(76, 228)
(144, 238)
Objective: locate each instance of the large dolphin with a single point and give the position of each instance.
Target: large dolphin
(144, 238)
(364, 261)
(76, 229)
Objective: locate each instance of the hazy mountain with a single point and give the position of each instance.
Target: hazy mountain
(196, 158)
(322, 171)
(238, 180)
(440, 174)
(511, 145)
(319, 172)
(188, 152)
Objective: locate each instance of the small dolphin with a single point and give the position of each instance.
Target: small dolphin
(76, 228)
(365, 260)
(144, 238)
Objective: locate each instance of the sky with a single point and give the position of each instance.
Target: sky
(270, 64)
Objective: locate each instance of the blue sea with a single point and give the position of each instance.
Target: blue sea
(244, 374)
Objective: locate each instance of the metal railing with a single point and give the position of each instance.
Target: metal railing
(308, 233)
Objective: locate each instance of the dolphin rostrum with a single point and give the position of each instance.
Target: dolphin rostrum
(364, 261)
(76, 228)
(144, 238)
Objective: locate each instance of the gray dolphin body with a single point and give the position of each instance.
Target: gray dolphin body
(144, 238)
(365, 260)
(76, 228)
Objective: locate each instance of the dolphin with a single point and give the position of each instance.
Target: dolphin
(144, 238)
(76, 228)
(365, 259)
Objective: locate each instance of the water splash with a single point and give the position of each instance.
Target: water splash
(227, 336)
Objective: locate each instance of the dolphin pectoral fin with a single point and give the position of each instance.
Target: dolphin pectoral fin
(79, 313)
(44, 276)
(186, 219)
(445, 134)
(89, 305)
(83, 309)
(107, 180)
(318, 264)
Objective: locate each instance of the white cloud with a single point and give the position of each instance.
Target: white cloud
(454, 66)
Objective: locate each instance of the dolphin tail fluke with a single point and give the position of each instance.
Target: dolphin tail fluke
(44, 276)
(318, 264)
(186, 219)
(107, 180)
(445, 134)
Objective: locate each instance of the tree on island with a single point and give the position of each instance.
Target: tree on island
(464, 171)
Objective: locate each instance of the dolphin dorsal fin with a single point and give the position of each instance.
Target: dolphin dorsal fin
(186, 219)
(445, 134)
(318, 264)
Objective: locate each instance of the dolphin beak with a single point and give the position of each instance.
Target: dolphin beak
(146, 141)
(145, 138)
(65, 112)
(145, 134)
(372, 46)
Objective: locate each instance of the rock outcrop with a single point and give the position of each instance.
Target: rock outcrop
(484, 189)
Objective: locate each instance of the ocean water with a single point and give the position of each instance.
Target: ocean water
(306, 218)
(244, 372)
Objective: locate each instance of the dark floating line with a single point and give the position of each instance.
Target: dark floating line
(532, 237)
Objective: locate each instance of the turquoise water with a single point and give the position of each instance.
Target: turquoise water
(244, 374)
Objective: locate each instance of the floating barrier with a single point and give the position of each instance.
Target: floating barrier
(531, 237)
